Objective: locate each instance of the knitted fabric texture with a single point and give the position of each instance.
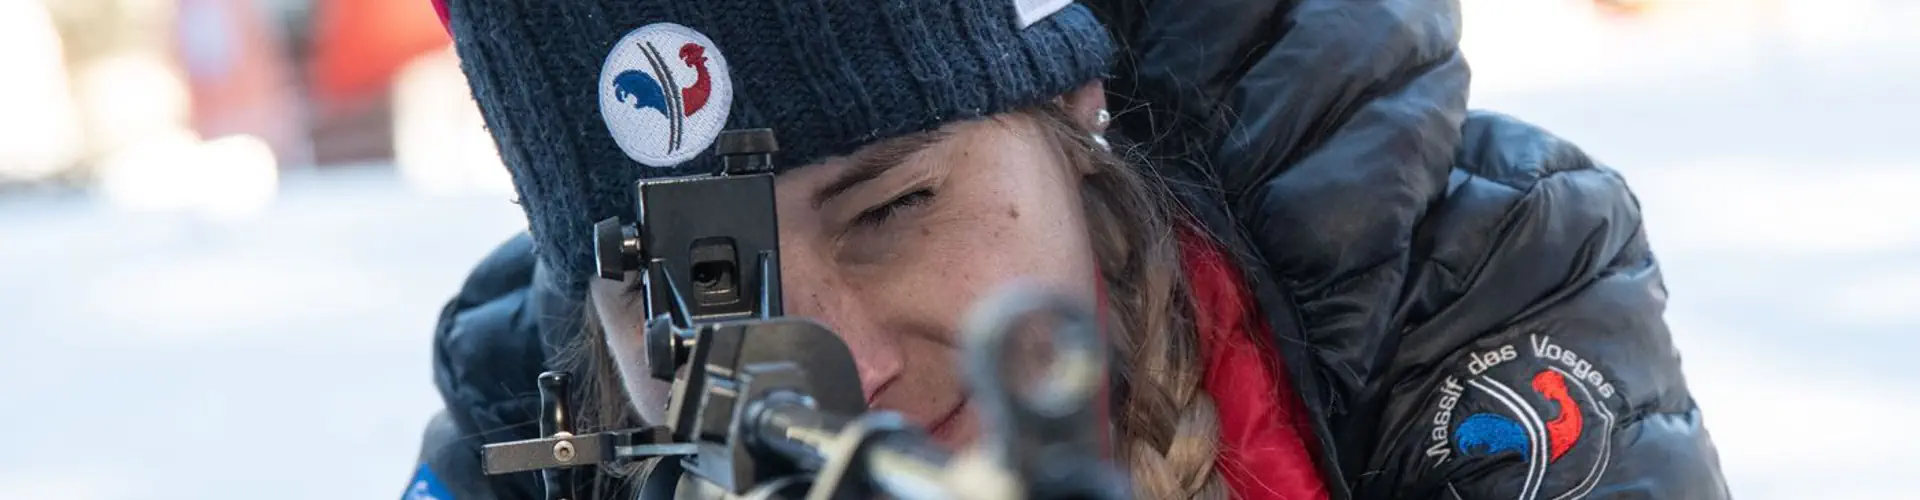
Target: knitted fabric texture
(828, 76)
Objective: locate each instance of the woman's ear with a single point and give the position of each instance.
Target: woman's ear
(1088, 105)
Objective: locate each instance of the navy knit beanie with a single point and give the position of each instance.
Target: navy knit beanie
(585, 97)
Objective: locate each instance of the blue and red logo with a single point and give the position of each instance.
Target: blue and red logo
(1488, 433)
(665, 94)
(1559, 419)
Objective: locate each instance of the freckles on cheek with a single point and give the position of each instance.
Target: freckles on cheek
(986, 247)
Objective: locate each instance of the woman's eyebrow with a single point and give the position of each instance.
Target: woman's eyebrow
(870, 165)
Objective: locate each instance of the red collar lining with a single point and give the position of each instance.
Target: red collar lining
(1263, 427)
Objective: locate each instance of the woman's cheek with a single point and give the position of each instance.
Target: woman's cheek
(649, 396)
(878, 252)
(931, 262)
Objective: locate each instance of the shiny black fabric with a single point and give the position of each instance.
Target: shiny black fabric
(487, 353)
(1395, 237)
(1396, 241)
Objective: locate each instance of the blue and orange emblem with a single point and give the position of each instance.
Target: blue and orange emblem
(1541, 435)
(665, 93)
(1495, 433)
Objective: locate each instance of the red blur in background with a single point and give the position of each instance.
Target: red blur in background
(356, 48)
(359, 44)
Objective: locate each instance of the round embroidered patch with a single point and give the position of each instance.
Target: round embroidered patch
(665, 94)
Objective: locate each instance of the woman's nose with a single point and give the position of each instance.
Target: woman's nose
(879, 354)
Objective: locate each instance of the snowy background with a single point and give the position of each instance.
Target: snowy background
(173, 345)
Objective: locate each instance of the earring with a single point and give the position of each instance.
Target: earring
(1100, 122)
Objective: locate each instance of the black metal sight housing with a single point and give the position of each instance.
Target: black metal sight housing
(696, 234)
(766, 406)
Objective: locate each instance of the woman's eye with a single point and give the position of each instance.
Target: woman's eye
(880, 214)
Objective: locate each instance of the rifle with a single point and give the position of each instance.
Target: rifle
(765, 406)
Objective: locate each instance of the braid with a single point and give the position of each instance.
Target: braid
(1167, 426)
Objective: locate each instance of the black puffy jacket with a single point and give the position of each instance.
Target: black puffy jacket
(1466, 303)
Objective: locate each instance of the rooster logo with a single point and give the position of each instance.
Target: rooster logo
(675, 104)
(662, 110)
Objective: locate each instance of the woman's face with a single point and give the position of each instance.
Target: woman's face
(890, 247)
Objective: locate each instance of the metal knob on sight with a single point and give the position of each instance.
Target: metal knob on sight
(616, 248)
(748, 151)
(666, 347)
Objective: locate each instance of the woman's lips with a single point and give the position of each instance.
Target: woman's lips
(944, 427)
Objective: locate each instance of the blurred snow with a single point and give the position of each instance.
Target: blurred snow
(171, 355)
(39, 129)
(233, 177)
(284, 351)
(93, 483)
(441, 143)
(132, 96)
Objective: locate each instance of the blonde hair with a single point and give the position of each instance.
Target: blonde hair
(1168, 429)
(1166, 426)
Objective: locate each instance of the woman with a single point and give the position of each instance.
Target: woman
(1326, 278)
